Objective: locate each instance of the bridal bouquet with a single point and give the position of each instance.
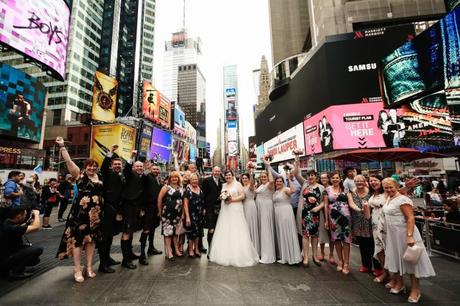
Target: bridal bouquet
(297, 152)
(251, 165)
(225, 196)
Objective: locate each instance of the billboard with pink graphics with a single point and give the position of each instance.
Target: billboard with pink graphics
(38, 29)
(362, 125)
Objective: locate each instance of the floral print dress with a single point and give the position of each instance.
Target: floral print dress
(171, 214)
(83, 223)
(310, 220)
(195, 206)
(339, 215)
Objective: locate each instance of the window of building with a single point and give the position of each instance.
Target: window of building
(57, 116)
(86, 137)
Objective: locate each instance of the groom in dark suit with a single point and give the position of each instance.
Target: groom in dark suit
(212, 187)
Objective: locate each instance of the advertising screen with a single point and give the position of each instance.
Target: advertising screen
(178, 147)
(160, 149)
(280, 148)
(155, 106)
(232, 148)
(104, 98)
(252, 148)
(38, 29)
(22, 104)
(145, 140)
(179, 120)
(260, 153)
(343, 70)
(345, 127)
(164, 111)
(104, 136)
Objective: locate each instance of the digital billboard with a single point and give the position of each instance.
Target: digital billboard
(179, 121)
(155, 106)
(342, 70)
(280, 148)
(22, 104)
(38, 29)
(104, 98)
(252, 148)
(160, 148)
(145, 140)
(106, 135)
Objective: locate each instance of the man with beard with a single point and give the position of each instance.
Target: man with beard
(113, 185)
(132, 199)
(150, 220)
(212, 187)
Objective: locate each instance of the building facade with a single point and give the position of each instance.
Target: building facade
(180, 50)
(231, 125)
(264, 86)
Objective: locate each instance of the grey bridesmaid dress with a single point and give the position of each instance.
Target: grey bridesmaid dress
(265, 210)
(250, 212)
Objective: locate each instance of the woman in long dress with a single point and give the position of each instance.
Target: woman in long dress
(266, 215)
(82, 229)
(231, 244)
(401, 233)
(287, 243)
(250, 209)
(324, 235)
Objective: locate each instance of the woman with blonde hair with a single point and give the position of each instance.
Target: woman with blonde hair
(170, 210)
(402, 233)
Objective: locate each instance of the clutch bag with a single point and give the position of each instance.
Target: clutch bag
(412, 253)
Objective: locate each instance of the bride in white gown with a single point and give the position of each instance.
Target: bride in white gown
(231, 244)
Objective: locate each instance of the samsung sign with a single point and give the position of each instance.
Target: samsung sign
(362, 67)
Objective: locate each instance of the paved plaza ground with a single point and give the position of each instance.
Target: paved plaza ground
(190, 281)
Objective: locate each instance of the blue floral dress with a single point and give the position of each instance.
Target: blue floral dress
(196, 207)
(172, 211)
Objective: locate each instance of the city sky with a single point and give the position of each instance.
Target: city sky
(232, 32)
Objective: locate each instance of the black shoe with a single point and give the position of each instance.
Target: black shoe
(134, 256)
(19, 275)
(143, 261)
(128, 264)
(113, 262)
(203, 250)
(153, 251)
(106, 269)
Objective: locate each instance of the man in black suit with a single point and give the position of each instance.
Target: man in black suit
(212, 187)
(150, 219)
(111, 170)
(132, 205)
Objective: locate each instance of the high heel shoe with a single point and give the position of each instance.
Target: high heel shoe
(78, 276)
(346, 269)
(316, 262)
(169, 258)
(321, 257)
(90, 273)
(339, 266)
(397, 291)
(332, 261)
(389, 285)
(414, 301)
(305, 263)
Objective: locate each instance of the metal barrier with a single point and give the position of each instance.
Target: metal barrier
(440, 237)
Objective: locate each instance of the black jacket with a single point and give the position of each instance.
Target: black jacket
(211, 192)
(152, 190)
(113, 182)
(134, 185)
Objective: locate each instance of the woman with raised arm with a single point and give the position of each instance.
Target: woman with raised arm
(265, 210)
(339, 220)
(309, 211)
(250, 209)
(82, 229)
(287, 243)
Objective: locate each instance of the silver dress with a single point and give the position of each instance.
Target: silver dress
(286, 232)
(250, 212)
(265, 211)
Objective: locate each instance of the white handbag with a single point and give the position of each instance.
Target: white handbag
(412, 253)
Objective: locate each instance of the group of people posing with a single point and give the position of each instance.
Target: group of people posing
(276, 219)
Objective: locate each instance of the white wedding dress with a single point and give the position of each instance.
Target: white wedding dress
(231, 244)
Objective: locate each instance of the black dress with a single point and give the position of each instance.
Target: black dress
(172, 211)
(195, 206)
(83, 224)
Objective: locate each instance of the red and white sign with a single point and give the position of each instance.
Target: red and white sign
(281, 147)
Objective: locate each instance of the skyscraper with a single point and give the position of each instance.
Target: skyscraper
(231, 122)
(127, 48)
(264, 86)
(68, 99)
(180, 50)
(191, 96)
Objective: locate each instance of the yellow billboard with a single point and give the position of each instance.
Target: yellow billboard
(104, 98)
(104, 136)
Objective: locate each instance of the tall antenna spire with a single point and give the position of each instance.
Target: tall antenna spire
(183, 18)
